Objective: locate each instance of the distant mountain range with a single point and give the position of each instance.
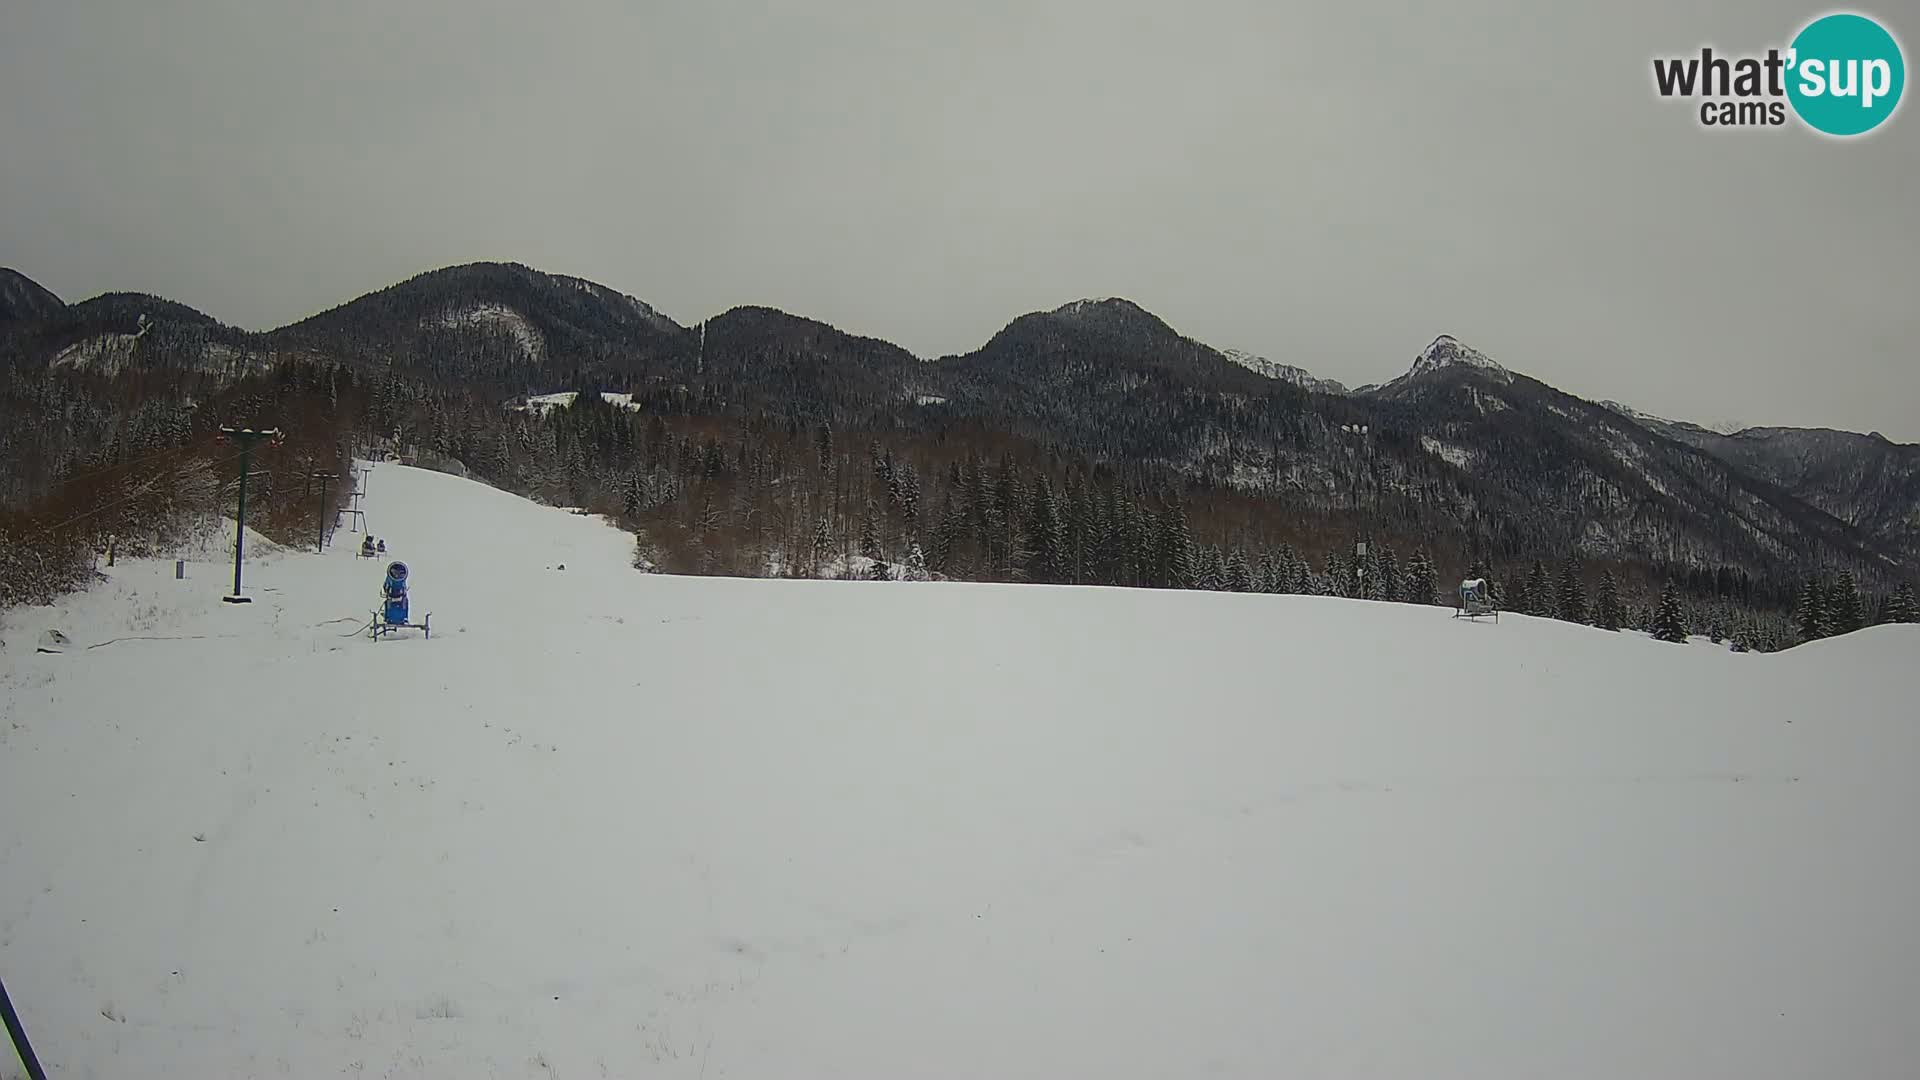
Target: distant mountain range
(1458, 441)
(1287, 373)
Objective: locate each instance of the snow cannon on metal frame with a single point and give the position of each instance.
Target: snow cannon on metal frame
(1474, 601)
(391, 616)
(394, 592)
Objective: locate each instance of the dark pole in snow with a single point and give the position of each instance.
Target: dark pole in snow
(240, 525)
(325, 478)
(1363, 524)
(247, 438)
(19, 1034)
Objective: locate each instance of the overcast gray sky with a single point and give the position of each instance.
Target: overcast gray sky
(1330, 184)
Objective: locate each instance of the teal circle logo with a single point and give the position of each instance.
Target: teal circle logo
(1845, 74)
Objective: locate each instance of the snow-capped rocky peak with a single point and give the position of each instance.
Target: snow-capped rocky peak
(1105, 303)
(1632, 413)
(1447, 352)
(1116, 316)
(1286, 373)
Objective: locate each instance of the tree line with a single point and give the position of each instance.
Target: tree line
(765, 495)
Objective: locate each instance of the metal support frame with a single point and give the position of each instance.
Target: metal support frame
(326, 479)
(358, 517)
(1471, 608)
(248, 438)
(380, 628)
(1363, 526)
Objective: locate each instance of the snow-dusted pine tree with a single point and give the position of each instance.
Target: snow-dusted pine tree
(1573, 592)
(1607, 614)
(1901, 607)
(1669, 624)
(631, 502)
(916, 563)
(1743, 636)
(1843, 605)
(822, 543)
(1386, 576)
(1213, 570)
(1810, 612)
(1239, 574)
(1267, 578)
(909, 494)
(947, 535)
(1174, 554)
(1537, 598)
(1420, 585)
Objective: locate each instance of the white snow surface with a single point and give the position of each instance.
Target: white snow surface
(543, 403)
(1445, 351)
(104, 354)
(1077, 307)
(500, 316)
(1287, 373)
(607, 823)
(1458, 456)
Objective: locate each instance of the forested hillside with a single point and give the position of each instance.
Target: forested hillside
(1088, 444)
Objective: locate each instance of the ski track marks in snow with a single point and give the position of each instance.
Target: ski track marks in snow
(613, 824)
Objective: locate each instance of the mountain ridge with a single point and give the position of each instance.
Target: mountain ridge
(1444, 350)
(21, 297)
(1287, 373)
(1458, 439)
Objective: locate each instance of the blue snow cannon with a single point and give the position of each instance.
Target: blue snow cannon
(394, 592)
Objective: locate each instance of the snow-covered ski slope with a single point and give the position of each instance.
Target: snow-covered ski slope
(609, 824)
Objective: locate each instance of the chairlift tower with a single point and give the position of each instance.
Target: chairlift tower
(356, 517)
(247, 438)
(1363, 524)
(326, 480)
